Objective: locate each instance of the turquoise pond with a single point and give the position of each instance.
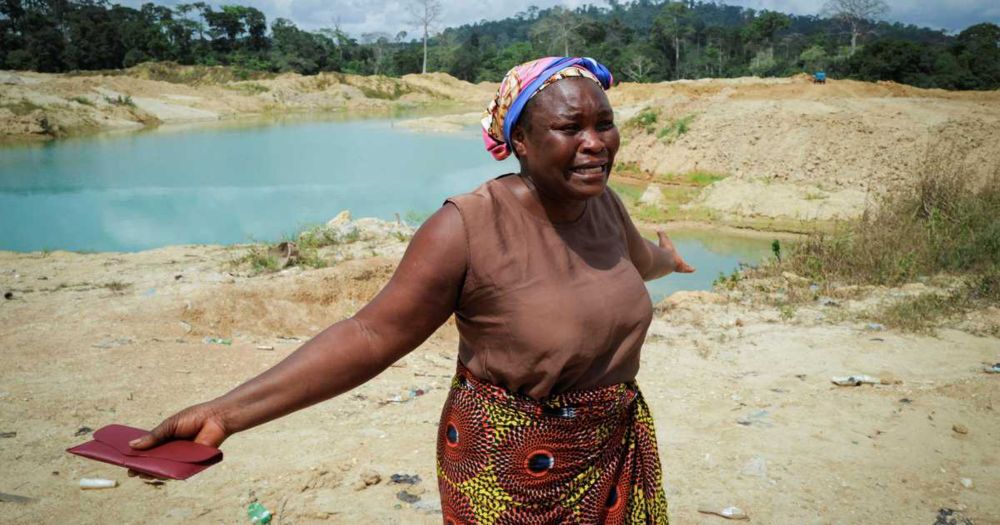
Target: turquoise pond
(231, 183)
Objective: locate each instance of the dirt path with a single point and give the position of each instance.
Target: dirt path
(742, 398)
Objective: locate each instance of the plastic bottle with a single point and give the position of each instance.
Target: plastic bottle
(258, 514)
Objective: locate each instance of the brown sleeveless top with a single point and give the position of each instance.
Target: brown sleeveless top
(545, 307)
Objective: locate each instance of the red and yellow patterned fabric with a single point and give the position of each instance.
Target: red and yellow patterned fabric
(581, 457)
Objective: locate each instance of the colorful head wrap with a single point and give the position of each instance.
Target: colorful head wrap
(525, 81)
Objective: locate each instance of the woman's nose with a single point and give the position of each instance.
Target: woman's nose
(591, 141)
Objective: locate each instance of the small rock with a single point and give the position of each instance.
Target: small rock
(887, 378)
(370, 477)
(960, 428)
(966, 482)
(875, 327)
(8, 434)
(83, 431)
(8, 295)
(342, 218)
(653, 196)
(406, 497)
(794, 279)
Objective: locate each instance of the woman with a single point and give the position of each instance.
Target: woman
(544, 271)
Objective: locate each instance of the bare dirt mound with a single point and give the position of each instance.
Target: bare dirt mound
(45, 106)
(825, 148)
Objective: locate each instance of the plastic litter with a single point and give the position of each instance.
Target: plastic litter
(730, 512)
(258, 514)
(97, 483)
(856, 380)
(217, 341)
(405, 479)
(995, 369)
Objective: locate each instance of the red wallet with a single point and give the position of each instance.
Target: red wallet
(173, 459)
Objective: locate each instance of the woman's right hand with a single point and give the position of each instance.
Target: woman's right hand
(201, 423)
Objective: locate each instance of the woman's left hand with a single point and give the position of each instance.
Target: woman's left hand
(680, 265)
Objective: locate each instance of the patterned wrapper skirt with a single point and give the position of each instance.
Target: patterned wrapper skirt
(585, 457)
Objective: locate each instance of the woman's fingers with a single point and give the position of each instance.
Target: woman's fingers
(680, 265)
(683, 267)
(161, 433)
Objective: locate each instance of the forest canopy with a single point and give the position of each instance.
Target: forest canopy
(641, 41)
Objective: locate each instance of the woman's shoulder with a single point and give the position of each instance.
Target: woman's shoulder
(480, 199)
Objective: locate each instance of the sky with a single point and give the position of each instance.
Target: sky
(392, 16)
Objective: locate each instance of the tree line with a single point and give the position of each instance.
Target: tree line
(640, 40)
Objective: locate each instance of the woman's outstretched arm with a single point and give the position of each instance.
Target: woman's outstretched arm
(421, 295)
(651, 260)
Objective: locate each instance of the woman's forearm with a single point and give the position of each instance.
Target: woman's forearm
(334, 361)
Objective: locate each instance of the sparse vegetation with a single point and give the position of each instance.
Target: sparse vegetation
(83, 100)
(21, 107)
(117, 286)
(302, 249)
(249, 88)
(120, 100)
(645, 120)
(945, 225)
(675, 129)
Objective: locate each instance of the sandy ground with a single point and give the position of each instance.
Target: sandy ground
(741, 395)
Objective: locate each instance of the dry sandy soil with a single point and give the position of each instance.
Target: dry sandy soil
(741, 395)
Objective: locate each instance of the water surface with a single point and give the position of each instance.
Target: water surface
(234, 183)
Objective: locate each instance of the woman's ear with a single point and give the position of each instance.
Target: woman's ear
(518, 142)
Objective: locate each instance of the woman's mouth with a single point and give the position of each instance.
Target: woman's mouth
(590, 172)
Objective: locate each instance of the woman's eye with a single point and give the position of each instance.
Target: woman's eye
(569, 128)
(604, 126)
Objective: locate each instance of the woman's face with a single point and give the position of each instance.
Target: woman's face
(568, 141)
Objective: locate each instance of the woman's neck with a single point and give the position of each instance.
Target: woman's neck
(556, 210)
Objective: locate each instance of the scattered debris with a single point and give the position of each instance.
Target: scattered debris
(14, 498)
(906, 401)
(405, 479)
(758, 418)
(410, 396)
(406, 497)
(97, 483)
(83, 431)
(265, 347)
(857, 380)
(960, 428)
(994, 369)
(258, 514)
(8, 434)
(730, 512)
(217, 341)
(951, 517)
